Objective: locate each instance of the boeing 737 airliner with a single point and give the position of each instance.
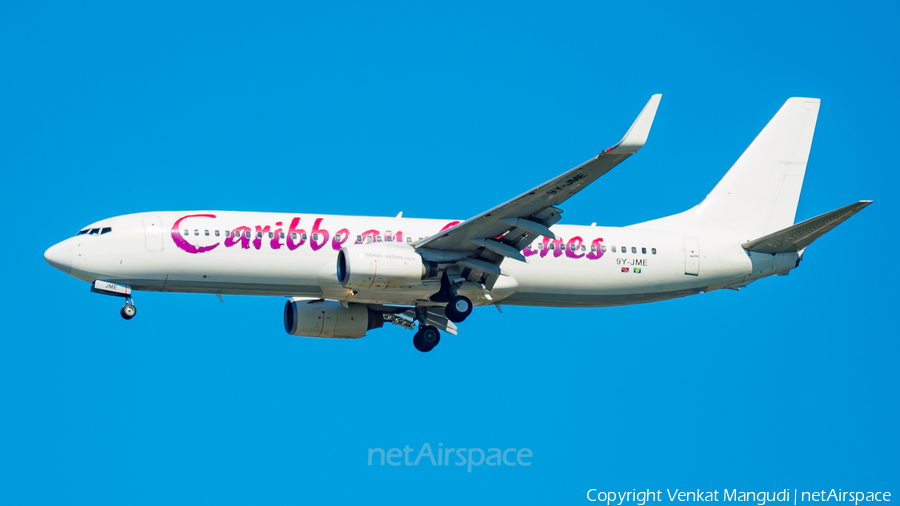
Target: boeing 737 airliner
(345, 275)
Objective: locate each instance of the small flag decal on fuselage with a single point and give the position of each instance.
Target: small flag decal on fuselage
(637, 270)
(624, 269)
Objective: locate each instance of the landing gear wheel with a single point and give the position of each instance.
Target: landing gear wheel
(458, 309)
(426, 339)
(128, 311)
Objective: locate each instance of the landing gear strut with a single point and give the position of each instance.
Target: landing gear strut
(128, 310)
(428, 336)
(458, 309)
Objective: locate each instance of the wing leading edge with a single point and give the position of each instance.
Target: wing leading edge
(482, 242)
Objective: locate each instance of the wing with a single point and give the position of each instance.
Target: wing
(482, 242)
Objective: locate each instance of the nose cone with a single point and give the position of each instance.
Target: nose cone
(60, 256)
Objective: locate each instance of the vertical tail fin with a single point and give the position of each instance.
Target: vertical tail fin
(759, 194)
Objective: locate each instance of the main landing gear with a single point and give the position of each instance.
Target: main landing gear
(128, 310)
(458, 309)
(426, 338)
(458, 306)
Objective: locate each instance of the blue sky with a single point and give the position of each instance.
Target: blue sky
(439, 111)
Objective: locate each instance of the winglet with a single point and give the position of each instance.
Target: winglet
(637, 135)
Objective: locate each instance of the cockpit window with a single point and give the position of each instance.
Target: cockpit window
(95, 231)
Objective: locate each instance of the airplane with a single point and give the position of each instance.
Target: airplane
(346, 275)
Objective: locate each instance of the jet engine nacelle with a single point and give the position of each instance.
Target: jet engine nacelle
(385, 265)
(328, 318)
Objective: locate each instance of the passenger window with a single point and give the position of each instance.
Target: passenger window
(540, 246)
(603, 248)
(303, 236)
(378, 238)
(653, 250)
(186, 232)
(105, 230)
(583, 248)
(624, 249)
(247, 234)
(228, 233)
(409, 239)
(368, 239)
(282, 235)
(294, 235)
(259, 235)
(217, 233)
(593, 248)
(644, 250)
(206, 232)
(271, 235)
(315, 237)
(196, 232)
(553, 247)
(389, 238)
(337, 237)
(613, 249)
(633, 249)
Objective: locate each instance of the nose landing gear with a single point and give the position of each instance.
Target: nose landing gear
(107, 288)
(128, 310)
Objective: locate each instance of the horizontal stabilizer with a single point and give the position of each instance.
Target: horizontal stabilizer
(801, 235)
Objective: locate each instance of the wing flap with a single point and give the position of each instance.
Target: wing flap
(435, 316)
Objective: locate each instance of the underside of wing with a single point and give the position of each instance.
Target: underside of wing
(478, 245)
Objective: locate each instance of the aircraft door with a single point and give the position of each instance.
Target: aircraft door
(153, 233)
(691, 256)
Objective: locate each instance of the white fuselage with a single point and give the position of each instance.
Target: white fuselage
(295, 255)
